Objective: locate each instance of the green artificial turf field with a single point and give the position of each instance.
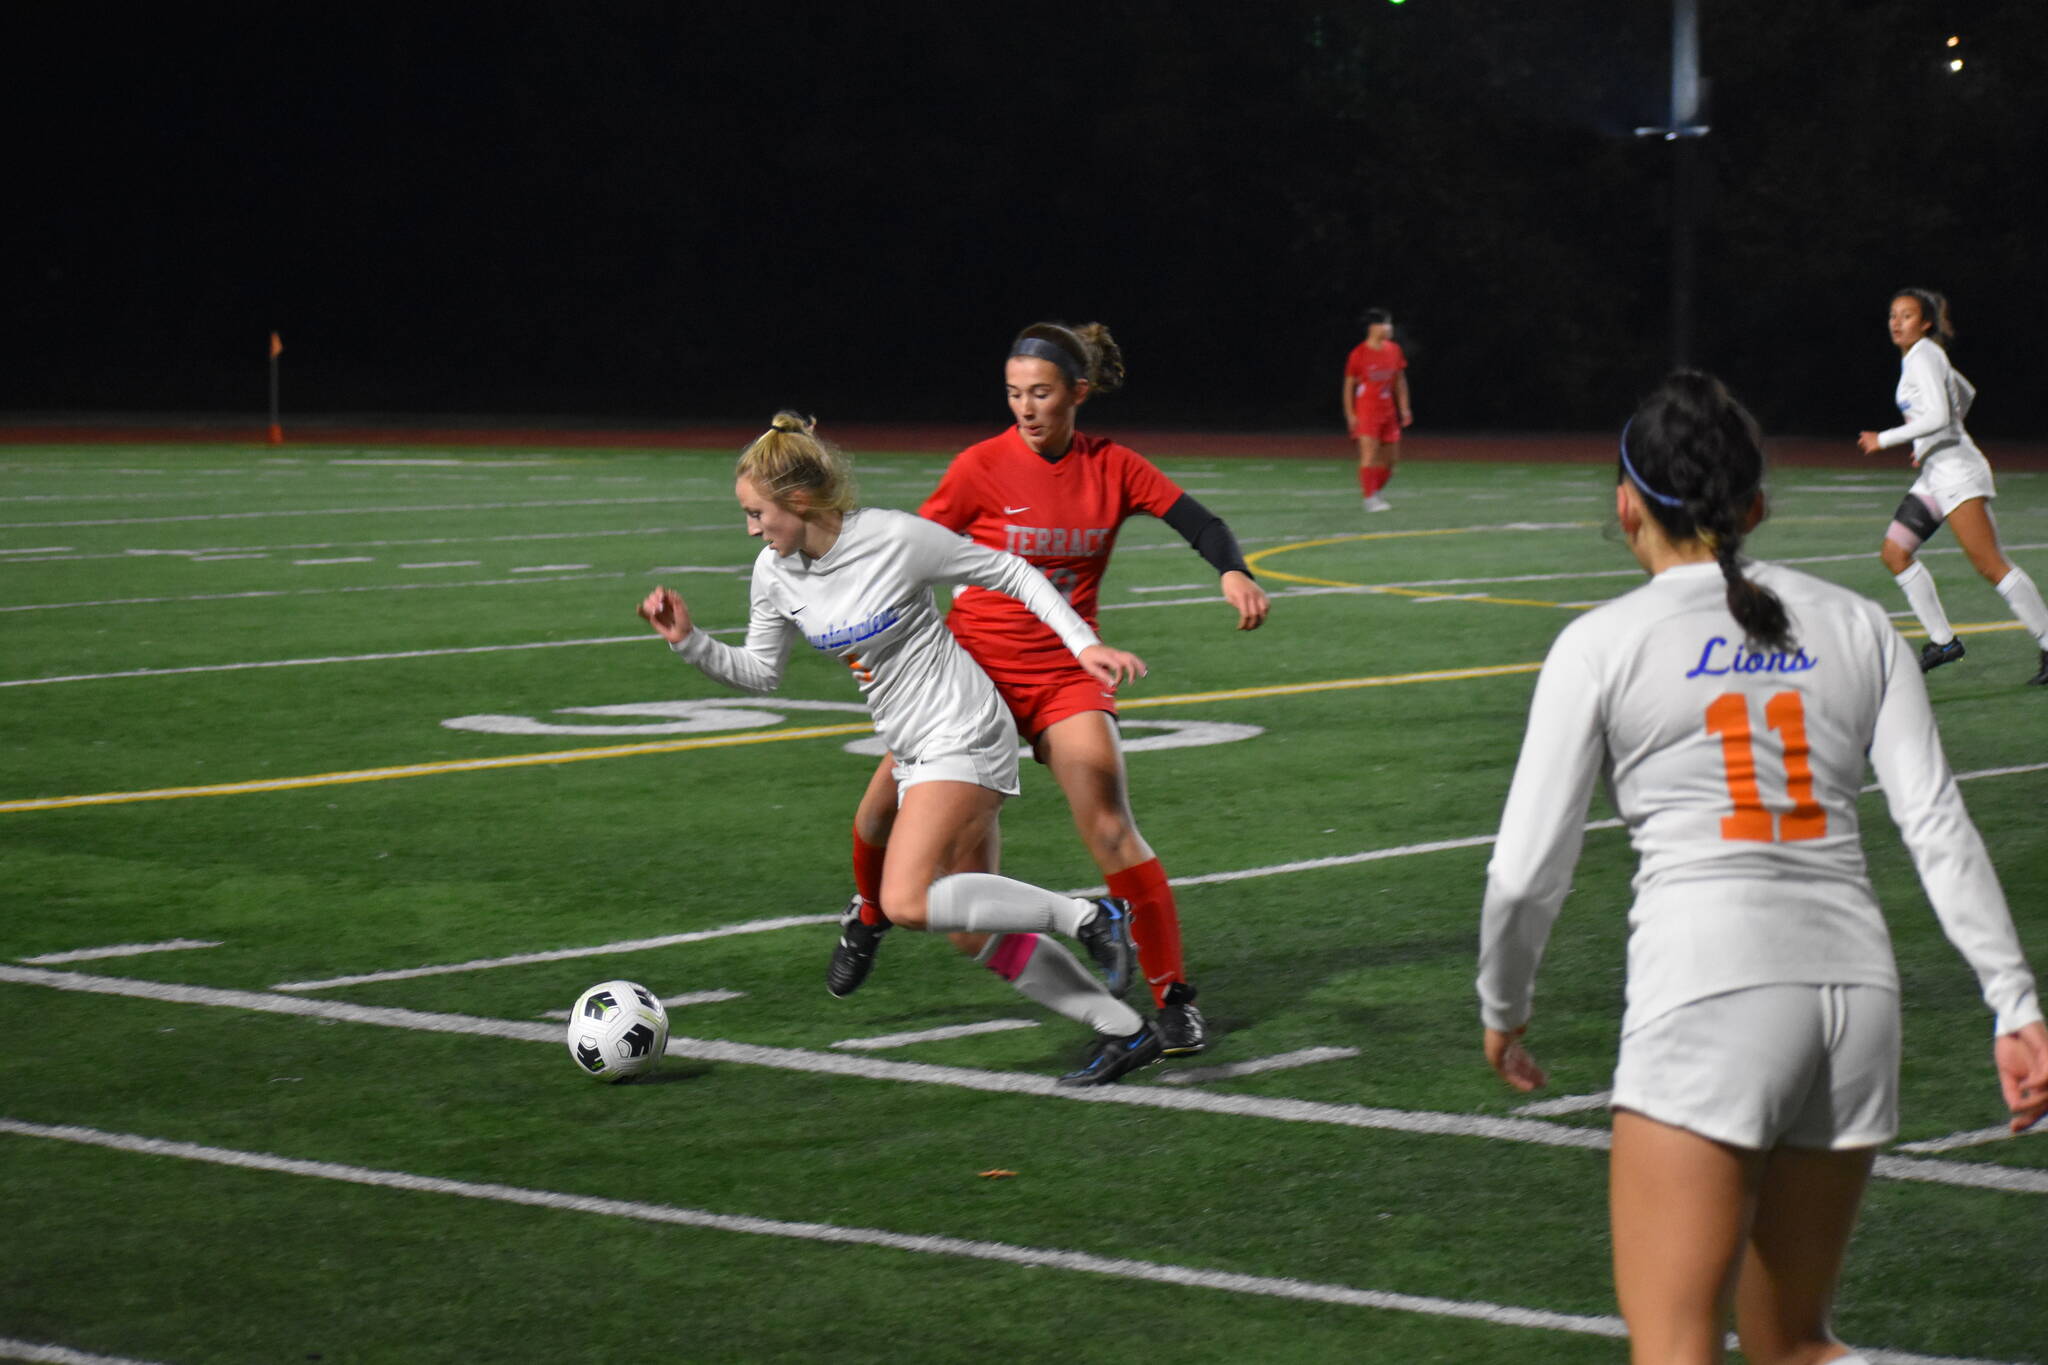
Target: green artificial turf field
(337, 1125)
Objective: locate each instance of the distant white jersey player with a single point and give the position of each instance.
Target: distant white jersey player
(1954, 484)
(1731, 707)
(857, 583)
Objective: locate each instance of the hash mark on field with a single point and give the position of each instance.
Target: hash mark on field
(169, 945)
(672, 1002)
(933, 1035)
(1283, 1061)
(550, 568)
(1976, 1137)
(345, 559)
(217, 559)
(1564, 1104)
(46, 1354)
(444, 564)
(1002, 1253)
(634, 945)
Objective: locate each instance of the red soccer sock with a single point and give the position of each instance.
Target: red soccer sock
(1374, 479)
(867, 878)
(1386, 476)
(1365, 474)
(1155, 924)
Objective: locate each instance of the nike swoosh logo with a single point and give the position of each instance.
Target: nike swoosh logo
(1013, 511)
(796, 611)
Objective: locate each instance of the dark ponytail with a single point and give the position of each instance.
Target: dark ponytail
(1698, 458)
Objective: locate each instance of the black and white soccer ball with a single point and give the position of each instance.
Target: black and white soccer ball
(617, 1031)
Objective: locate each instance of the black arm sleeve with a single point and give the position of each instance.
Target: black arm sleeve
(1205, 531)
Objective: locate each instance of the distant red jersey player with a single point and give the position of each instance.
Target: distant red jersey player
(1376, 407)
(1057, 497)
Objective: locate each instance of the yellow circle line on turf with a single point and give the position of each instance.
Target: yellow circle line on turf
(1258, 558)
(469, 765)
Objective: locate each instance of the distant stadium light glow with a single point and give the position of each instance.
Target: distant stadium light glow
(1955, 40)
(1956, 65)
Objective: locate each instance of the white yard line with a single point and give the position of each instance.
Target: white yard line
(347, 559)
(933, 1035)
(306, 592)
(444, 564)
(1190, 1277)
(1284, 1061)
(630, 945)
(169, 945)
(369, 511)
(1535, 1132)
(549, 568)
(1564, 1104)
(58, 555)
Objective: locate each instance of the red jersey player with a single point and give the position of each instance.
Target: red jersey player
(1057, 497)
(1375, 399)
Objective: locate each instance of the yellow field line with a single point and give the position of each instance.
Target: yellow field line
(1258, 558)
(470, 765)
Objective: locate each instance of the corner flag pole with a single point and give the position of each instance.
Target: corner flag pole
(276, 430)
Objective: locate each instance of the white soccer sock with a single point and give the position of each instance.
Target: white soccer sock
(984, 903)
(2024, 598)
(1918, 585)
(1043, 970)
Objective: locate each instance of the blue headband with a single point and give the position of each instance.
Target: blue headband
(1053, 351)
(1630, 470)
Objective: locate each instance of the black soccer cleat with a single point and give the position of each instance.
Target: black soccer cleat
(1107, 937)
(2040, 679)
(853, 957)
(1114, 1058)
(1933, 656)
(1182, 1030)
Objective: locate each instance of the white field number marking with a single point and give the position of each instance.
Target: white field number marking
(711, 717)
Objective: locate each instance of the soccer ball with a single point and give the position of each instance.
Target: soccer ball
(617, 1031)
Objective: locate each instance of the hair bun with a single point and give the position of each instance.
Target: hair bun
(789, 420)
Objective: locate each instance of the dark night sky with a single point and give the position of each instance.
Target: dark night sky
(648, 211)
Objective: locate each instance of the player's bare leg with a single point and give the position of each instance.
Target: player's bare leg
(1680, 1207)
(1806, 1209)
(1083, 756)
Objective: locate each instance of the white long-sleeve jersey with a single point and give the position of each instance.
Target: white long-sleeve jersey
(868, 600)
(1737, 773)
(1934, 398)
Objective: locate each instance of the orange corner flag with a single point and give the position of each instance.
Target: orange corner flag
(276, 346)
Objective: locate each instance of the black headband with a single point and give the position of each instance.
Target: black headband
(1059, 355)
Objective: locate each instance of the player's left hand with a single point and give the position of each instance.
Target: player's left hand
(1866, 441)
(1407, 419)
(1511, 1061)
(2022, 1058)
(1248, 597)
(1111, 667)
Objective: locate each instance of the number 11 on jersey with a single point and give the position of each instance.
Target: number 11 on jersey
(1785, 712)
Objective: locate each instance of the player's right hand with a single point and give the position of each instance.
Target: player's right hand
(1512, 1062)
(666, 612)
(2022, 1058)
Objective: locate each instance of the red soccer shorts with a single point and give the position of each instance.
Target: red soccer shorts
(1040, 705)
(1382, 424)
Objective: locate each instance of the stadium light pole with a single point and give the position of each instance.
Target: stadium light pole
(1682, 131)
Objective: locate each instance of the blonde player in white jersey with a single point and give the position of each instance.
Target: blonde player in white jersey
(1730, 707)
(1954, 485)
(857, 584)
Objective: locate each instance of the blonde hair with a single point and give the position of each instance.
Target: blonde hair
(1096, 356)
(788, 458)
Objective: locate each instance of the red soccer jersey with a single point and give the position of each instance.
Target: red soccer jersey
(1062, 516)
(1372, 371)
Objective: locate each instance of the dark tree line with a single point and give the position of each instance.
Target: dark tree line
(649, 210)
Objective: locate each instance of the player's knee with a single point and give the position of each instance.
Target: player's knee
(904, 903)
(1896, 557)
